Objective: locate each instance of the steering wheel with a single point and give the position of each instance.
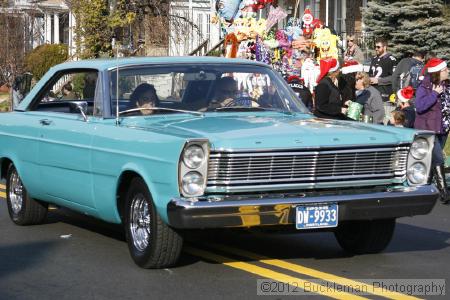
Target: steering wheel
(242, 101)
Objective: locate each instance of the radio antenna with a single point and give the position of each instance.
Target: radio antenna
(117, 81)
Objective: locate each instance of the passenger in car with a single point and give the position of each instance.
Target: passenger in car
(90, 80)
(68, 93)
(144, 96)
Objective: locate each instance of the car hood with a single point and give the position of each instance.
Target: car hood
(271, 130)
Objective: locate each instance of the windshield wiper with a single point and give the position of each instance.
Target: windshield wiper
(197, 113)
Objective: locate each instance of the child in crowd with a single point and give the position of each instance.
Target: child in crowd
(397, 118)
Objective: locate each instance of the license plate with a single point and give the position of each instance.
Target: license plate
(319, 216)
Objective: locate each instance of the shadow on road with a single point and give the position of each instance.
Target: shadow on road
(320, 245)
(409, 238)
(21, 257)
(91, 224)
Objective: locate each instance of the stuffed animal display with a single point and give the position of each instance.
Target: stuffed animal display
(295, 49)
(325, 43)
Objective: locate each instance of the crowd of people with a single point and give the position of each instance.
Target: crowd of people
(413, 93)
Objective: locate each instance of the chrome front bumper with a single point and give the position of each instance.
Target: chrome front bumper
(249, 211)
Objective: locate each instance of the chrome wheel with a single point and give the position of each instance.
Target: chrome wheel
(152, 243)
(140, 222)
(16, 192)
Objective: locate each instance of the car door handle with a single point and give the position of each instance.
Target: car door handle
(45, 122)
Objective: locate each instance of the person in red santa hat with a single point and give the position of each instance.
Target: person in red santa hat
(433, 113)
(327, 95)
(405, 104)
(347, 80)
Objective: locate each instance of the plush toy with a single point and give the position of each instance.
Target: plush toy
(249, 28)
(317, 24)
(293, 32)
(261, 27)
(301, 43)
(271, 43)
(275, 15)
(231, 45)
(249, 8)
(242, 28)
(310, 72)
(252, 28)
(251, 50)
(263, 52)
(307, 19)
(242, 50)
(282, 39)
(326, 43)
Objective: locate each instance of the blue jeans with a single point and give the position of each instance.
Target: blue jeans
(437, 156)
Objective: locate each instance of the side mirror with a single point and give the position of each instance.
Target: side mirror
(79, 106)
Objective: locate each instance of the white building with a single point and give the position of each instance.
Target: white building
(192, 27)
(47, 21)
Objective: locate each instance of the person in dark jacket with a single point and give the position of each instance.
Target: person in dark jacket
(404, 67)
(430, 99)
(327, 95)
(298, 86)
(405, 105)
(381, 69)
(347, 80)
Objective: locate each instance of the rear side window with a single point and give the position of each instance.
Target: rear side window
(68, 88)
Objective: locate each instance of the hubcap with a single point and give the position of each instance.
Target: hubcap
(15, 192)
(140, 222)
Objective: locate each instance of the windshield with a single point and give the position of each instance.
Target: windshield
(202, 88)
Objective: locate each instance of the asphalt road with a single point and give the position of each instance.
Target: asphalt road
(76, 257)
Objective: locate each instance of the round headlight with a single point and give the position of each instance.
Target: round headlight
(193, 156)
(417, 173)
(192, 183)
(420, 148)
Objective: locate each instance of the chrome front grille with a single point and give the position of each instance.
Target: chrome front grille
(293, 169)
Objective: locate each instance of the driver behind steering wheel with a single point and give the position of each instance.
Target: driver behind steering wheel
(226, 92)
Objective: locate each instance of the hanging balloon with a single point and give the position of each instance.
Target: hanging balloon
(227, 9)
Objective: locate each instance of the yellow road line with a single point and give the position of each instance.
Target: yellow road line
(270, 274)
(310, 272)
(2, 195)
(2, 187)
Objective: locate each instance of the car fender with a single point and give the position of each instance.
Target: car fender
(29, 179)
(108, 209)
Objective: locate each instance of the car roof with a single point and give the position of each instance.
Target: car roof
(111, 63)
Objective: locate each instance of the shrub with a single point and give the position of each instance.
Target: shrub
(43, 57)
(4, 106)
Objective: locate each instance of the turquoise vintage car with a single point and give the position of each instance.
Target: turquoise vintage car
(166, 144)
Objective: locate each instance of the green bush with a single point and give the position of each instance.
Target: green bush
(4, 106)
(43, 57)
(216, 52)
